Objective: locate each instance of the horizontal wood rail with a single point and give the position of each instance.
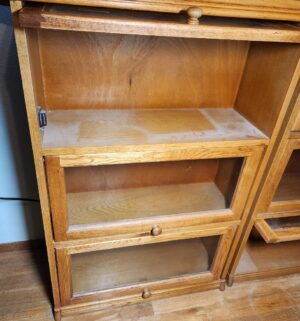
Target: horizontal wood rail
(60, 17)
(268, 9)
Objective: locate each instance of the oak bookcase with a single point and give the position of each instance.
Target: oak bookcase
(153, 127)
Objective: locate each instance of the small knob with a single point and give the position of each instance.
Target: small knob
(194, 14)
(156, 230)
(146, 293)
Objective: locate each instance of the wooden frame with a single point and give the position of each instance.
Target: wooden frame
(271, 235)
(279, 208)
(155, 25)
(281, 10)
(159, 287)
(58, 199)
(269, 205)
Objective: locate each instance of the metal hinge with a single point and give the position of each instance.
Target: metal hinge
(42, 117)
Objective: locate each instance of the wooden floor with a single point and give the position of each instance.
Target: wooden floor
(24, 295)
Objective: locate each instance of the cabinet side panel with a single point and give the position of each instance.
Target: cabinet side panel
(267, 76)
(22, 47)
(36, 66)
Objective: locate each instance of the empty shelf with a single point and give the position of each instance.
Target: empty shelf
(281, 229)
(117, 268)
(132, 203)
(66, 17)
(261, 257)
(93, 131)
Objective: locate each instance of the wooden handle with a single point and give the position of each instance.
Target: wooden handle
(146, 293)
(194, 14)
(156, 230)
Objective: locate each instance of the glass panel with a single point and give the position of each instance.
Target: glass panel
(289, 187)
(284, 222)
(101, 194)
(102, 270)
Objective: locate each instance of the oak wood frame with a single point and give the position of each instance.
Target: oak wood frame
(157, 287)
(276, 235)
(142, 226)
(145, 24)
(232, 8)
(280, 206)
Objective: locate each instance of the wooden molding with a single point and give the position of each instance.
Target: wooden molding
(268, 9)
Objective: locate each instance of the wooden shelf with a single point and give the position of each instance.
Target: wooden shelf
(88, 208)
(103, 270)
(95, 131)
(154, 24)
(259, 257)
(268, 9)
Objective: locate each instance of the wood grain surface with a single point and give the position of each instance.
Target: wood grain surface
(262, 93)
(143, 23)
(115, 85)
(78, 131)
(281, 229)
(125, 204)
(268, 9)
(127, 71)
(24, 289)
(110, 269)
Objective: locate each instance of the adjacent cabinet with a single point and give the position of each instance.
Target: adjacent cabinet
(163, 134)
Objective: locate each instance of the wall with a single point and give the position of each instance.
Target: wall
(19, 220)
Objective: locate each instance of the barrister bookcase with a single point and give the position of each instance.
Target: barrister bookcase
(152, 125)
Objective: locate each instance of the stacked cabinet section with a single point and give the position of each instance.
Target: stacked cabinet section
(281, 222)
(273, 246)
(113, 270)
(146, 198)
(152, 143)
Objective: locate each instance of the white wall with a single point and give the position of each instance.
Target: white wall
(19, 220)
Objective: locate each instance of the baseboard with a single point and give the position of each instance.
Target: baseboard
(22, 245)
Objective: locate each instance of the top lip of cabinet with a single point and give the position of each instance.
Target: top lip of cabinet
(288, 10)
(116, 21)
